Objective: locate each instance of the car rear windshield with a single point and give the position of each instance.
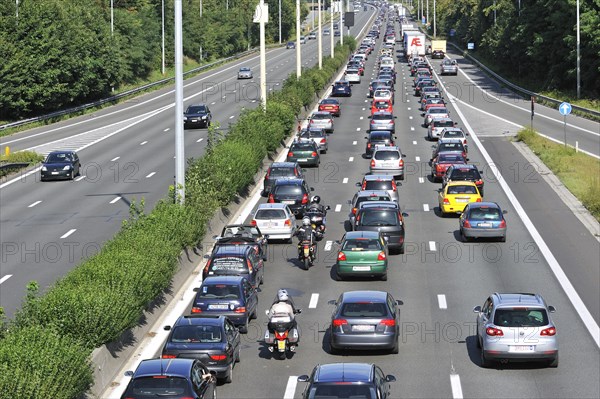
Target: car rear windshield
(361, 244)
(267, 214)
(64, 157)
(227, 264)
(364, 309)
(451, 158)
(381, 104)
(381, 117)
(443, 124)
(465, 174)
(280, 172)
(288, 189)
(438, 110)
(302, 146)
(165, 386)
(321, 116)
(453, 134)
(485, 214)
(521, 317)
(385, 155)
(201, 334)
(360, 200)
(219, 291)
(462, 190)
(451, 147)
(312, 133)
(379, 185)
(380, 136)
(342, 391)
(376, 217)
(329, 101)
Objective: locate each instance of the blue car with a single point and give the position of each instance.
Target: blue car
(341, 89)
(482, 220)
(60, 165)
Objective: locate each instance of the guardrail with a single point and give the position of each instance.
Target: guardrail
(13, 165)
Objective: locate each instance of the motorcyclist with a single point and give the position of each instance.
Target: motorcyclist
(305, 233)
(283, 305)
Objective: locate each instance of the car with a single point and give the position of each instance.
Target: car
(441, 163)
(356, 65)
(235, 260)
(337, 33)
(380, 182)
(275, 220)
(432, 100)
(435, 128)
(387, 160)
(366, 196)
(482, 220)
(362, 253)
(279, 170)
(290, 45)
(304, 153)
(516, 327)
(215, 341)
(352, 75)
(245, 73)
(378, 137)
(464, 173)
(318, 136)
(444, 145)
(341, 89)
(312, 36)
(336, 26)
(243, 234)
(422, 83)
(292, 192)
(384, 217)
(383, 94)
(170, 378)
(449, 67)
(456, 195)
(382, 120)
(302, 39)
(367, 320)
(197, 115)
(330, 105)
(435, 112)
(454, 132)
(438, 55)
(326, 32)
(321, 120)
(382, 106)
(64, 164)
(374, 85)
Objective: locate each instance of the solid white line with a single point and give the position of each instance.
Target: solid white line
(442, 301)
(143, 142)
(417, 159)
(68, 233)
(114, 159)
(80, 178)
(351, 159)
(345, 181)
(456, 387)
(421, 180)
(426, 207)
(432, 245)
(415, 142)
(354, 143)
(328, 245)
(338, 207)
(199, 140)
(150, 175)
(115, 200)
(3, 279)
(290, 388)
(314, 299)
(34, 204)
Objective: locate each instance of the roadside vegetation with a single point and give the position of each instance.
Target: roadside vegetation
(579, 172)
(45, 351)
(27, 158)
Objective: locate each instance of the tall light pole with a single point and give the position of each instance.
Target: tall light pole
(320, 39)
(262, 16)
(163, 36)
(112, 18)
(179, 143)
(427, 17)
(17, 15)
(331, 28)
(578, 56)
(279, 21)
(341, 7)
(434, 21)
(200, 7)
(298, 52)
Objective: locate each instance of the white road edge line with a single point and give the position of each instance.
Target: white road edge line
(314, 299)
(456, 387)
(34, 204)
(3, 279)
(68, 233)
(442, 301)
(290, 388)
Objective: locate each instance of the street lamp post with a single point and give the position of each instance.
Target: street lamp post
(298, 50)
(578, 56)
(434, 21)
(163, 36)
(179, 142)
(331, 28)
(320, 39)
(279, 21)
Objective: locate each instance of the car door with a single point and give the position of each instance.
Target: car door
(232, 335)
(381, 385)
(250, 296)
(76, 163)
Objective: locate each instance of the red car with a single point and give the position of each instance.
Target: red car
(443, 161)
(434, 104)
(381, 105)
(330, 105)
(431, 100)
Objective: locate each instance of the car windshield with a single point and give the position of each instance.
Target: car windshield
(157, 386)
(385, 155)
(281, 172)
(219, 291)
(288, 189)
(361, 244)
(381, 117)
(201, 334)
(493, 214)
(342, 391)
(450, 158)
(464, 174)
(267, 214)
(521, 317)
(364, 309)
(462, 190)
(197, 109)
(59, 157)
(377, 217)
(243, 69)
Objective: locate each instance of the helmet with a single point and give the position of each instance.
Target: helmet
(306, 221)
(315, 199)
(282, 295)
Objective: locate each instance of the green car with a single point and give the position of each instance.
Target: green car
(305, 152)
(362, 253)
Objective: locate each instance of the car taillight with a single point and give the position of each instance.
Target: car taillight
(479, 182)
(388, 322)
(196, 310)
(381, 256)
(341, 256)
(503, 224)
(464, 154)
(271, 198)
(305, 199)
(339, 322)
(241, 309)
(494, 332)
(401, 163)
(394, 186)
(467, 224)
(372, 163)
(439, 167)
(290, 154)
(368, 145)
(354, 211)
(249, 265)
(253, 222)
(207, 266)
(364, 185)
(313, 154)
(478, 199)
(169, 356)
(218, 357)
(287, 222)
(268, 173)
(465, 142)
(548, 332)
(446, 201)
(323, 141)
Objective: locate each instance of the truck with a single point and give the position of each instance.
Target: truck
(407, 27)
(438, 49)
(414, 43)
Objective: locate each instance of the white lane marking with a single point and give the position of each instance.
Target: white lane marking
(3, 279)
(150, 175)
(410, 117)
(456, 387)
(213, 103)
(80, 178)
(426, 207)
(338, 207)
(351, 159)
(415, 142)
(166, 130)
(417, 159)
(409, 108)
(34, 204)
(314, 299)
(442, 301)
(143, 142)
(361, 118)
(290, 388)
(412, 129)
(366, 101)
(115, 200)
(232, 116)
(345, 180)
(421, 180)
(364, 109)
(199, 140)
(358, 129)
(354, 142)
(114, 159)
(68, 233)
(432, 245)
(328, 245)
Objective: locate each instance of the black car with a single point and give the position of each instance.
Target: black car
(341, 89)
(60, 165)
(197, 116)
(245, 234)
(279, 170)
(385, 217)
(378, 137)
(347, 380)
(464, 173)
(235, 260)
(293, 192)
(170, 378)
(213, 340)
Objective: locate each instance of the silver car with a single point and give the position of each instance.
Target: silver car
(245, 73)
(318, 136)
(387, 161)
(382, 120)
(516, 327)
(449, 67)
(276, 221)
(352, 75)
(435, 112)
(321, 120)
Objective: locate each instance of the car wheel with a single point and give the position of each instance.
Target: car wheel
(502, 239)
(229, 377)
(336, 275)
(396, 348)
(554, 362)
(384, 277)
(332, 350)
(478, 342)
(244, 328)
(485, 363)
(238, 357)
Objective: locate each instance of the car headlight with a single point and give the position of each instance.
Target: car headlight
(185, 118)
(204, 117)
(44, 169)
(67, 167)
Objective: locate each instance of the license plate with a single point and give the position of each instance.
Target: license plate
(484, 225)
(302, 160)
(521, 348)
(54, 173)
(194, 120)
(288, 202)
(462, 200)
(281, 345)
(218, 307)
(361, 268)
(363, 328)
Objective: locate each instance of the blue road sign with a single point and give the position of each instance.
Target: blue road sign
(564, 109)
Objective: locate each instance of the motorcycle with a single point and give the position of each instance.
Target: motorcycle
(306, 254)
(285, 336)
(317, 220)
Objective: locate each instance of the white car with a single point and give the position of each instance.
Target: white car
(326, 32)
(386, 61)
(383, 94)
(436, 127)
(387, 160)
(276, 221)
(352, 75)
(435, 112)
(302, 39)
(312, 36)
(455, 133)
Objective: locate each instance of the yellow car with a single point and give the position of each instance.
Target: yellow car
(455, 196)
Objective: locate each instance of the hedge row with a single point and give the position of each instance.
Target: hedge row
(29, 157)
(45, 350)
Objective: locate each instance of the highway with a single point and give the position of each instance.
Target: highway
(439, 279)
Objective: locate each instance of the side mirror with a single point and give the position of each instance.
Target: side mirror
(551, 309)
(404, 214)
(477, 309)
(128, 373)
(504, 211)
(395, 117)
(196, 289)
(298, 311)
(399, 302)
(390, 378)
(215, 237)
(207, 256)
(331, 302)
(358, 184)
(313, 189)
(167, 328)
(303, 378)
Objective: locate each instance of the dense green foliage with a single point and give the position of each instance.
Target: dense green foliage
(61, 53)
(536, 45)
(29, 157)
(45, 351)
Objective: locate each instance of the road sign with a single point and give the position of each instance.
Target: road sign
(564, 108)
